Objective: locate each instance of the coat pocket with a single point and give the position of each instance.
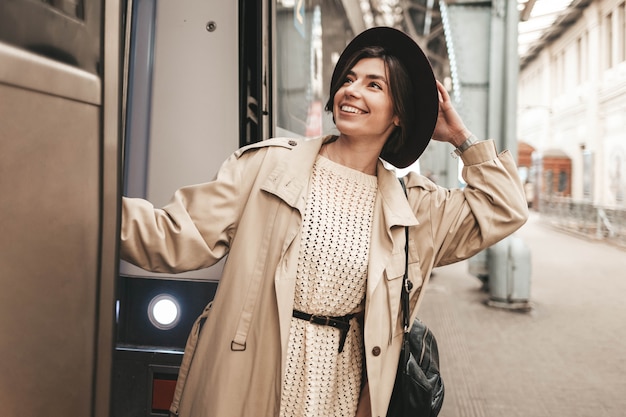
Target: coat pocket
(190, 349)
(395, 270)
(395, 267)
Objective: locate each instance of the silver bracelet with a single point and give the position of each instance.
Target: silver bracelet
(472, 139)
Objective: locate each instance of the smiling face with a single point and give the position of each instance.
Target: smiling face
(363, 104)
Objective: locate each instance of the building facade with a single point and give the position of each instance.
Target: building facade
(572, 102)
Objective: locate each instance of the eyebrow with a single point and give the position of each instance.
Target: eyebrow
(371, 76)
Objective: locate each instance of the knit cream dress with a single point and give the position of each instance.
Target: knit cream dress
(331, 279)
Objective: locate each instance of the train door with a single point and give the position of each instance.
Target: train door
(196, 93)
(58, 180)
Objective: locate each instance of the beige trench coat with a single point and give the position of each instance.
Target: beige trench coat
(252, 212)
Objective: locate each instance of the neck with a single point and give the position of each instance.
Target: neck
(352, 155)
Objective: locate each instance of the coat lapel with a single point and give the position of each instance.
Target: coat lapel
(391, 214)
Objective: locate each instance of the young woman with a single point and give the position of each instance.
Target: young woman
(305, 321)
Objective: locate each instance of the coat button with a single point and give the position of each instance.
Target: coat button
(292, 143)
(376, 351)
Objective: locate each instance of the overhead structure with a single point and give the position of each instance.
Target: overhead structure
(472, 45)
(542, 21)
(423, 22)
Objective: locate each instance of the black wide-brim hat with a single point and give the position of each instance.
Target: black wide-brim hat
(426, 98)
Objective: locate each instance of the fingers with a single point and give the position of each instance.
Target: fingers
(443, 93)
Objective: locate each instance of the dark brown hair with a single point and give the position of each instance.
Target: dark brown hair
(400, 87)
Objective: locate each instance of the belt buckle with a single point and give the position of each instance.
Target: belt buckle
(323, 320)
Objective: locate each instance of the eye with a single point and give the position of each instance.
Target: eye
(376, 85)
(348, 80)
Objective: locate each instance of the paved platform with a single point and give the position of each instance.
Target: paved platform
(565, 357)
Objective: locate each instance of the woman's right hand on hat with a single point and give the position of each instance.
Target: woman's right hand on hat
(450, 127)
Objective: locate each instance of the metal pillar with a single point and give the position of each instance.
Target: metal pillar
(482, 45)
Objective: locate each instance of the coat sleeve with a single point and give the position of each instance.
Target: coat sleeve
(195, 228)
(465, 221)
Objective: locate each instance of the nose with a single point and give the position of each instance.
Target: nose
(353, 89)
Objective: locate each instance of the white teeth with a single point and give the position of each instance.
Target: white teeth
(351, 109)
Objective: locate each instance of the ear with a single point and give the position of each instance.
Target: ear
(396, 121)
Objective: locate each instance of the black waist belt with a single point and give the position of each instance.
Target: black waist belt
(342, 323)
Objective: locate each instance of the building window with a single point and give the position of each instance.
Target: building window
(562, 185)
(608, 38)
(622, 31)
(579, 51)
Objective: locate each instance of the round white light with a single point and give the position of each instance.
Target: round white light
(164, 312)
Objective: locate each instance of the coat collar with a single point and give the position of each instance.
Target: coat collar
(289, 181)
